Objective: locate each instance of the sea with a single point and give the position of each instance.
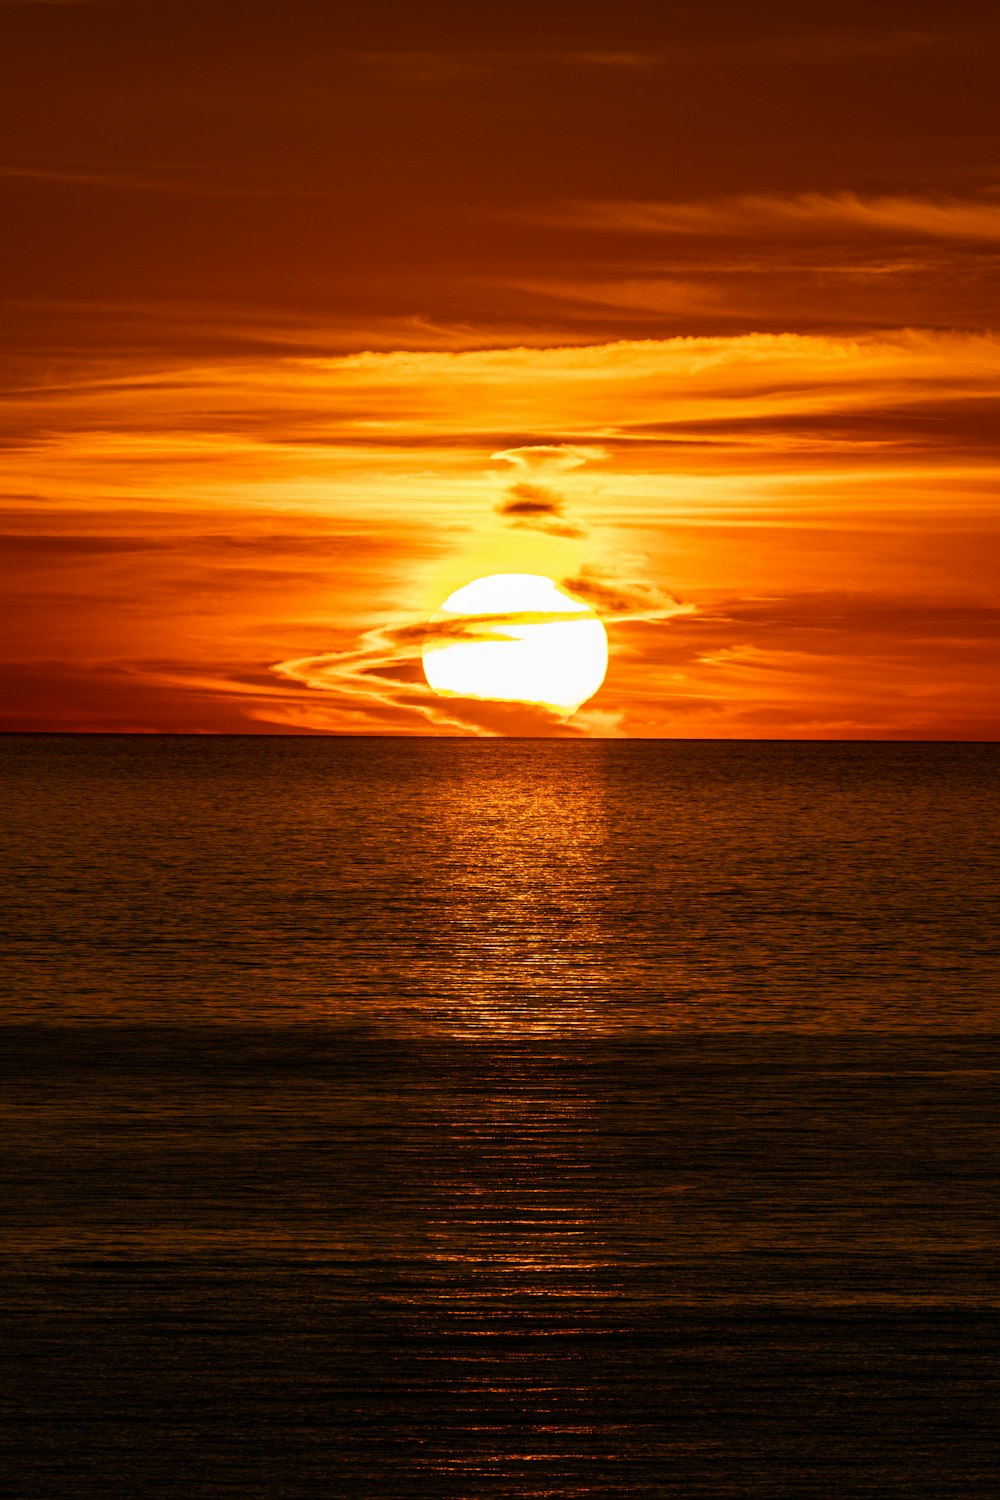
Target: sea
(498, 1118)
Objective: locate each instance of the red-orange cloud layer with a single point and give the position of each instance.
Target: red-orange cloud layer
(313, 317)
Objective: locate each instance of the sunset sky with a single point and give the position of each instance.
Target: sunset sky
(313, 313)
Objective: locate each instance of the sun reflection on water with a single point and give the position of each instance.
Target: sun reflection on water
(521, 932)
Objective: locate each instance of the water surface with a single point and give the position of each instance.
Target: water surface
(505, 1118)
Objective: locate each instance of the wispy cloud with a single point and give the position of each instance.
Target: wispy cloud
(529, 501)
(275, 412)
(537, 506)
(532, 504)
(384, 670)
(551, 457)
(314, 513)
(69, 175)
(383, 677)
(758, 215)
(622, 600)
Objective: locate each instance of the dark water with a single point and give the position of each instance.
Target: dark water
(499, 1118)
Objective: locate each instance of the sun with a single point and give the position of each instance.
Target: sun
(516, 638)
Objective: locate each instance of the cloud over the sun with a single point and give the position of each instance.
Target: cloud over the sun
(384, 669)
(313, 513)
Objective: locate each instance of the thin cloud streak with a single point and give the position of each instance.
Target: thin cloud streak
(761, 215)
(590, 395)
(384, 671)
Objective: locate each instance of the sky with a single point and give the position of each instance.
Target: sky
(313, 313)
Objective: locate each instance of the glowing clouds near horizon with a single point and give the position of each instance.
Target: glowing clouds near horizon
(516, 638)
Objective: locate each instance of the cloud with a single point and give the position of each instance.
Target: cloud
(537, 507)
(820, 663)
(552, 456)
(808, 261)
(130, 698)
(70, 176)
(297, 417)
(383, 676)
(530, 500)
(742, 466)
(822, 617)
(22, 547)
(384, 669)
(753, 215)
(620, 600)
(824, 663)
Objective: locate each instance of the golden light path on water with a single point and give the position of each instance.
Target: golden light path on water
(516, 638)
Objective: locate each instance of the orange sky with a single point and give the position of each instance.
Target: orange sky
(312, 317)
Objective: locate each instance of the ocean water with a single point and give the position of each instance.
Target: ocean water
(499, 1118)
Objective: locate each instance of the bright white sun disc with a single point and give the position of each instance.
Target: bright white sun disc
(516, 638)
